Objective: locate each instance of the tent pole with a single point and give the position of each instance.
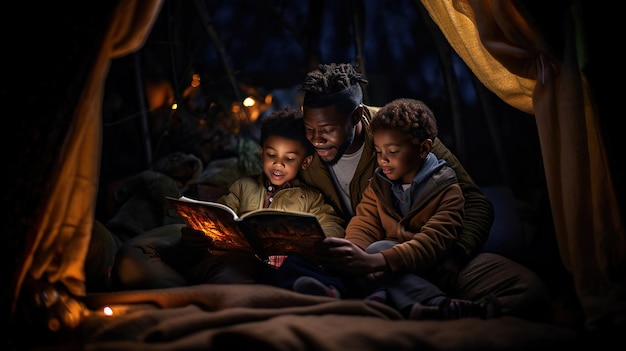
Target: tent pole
(141, 97)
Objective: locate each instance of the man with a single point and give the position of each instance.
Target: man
(337, 124)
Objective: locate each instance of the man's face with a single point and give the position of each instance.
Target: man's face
(330, 132)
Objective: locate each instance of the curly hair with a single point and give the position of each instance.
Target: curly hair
(334, 84)
(286, 123)
(409, 115)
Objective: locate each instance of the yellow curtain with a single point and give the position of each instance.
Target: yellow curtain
(511, 58)
(60, 245)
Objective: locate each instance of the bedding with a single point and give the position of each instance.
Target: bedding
(261, 317)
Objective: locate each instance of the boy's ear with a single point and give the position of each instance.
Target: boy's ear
(425, 147)
(307, 162)
(261, 152)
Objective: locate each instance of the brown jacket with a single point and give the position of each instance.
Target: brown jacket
(425, 233)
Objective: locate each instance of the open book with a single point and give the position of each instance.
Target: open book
(266, 232)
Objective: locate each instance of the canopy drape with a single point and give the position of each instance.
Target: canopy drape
(61, 240)
(513, 60)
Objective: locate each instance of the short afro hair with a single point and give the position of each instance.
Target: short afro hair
(409, 115)
(286, 123)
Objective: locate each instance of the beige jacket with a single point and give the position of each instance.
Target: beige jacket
(248, 193)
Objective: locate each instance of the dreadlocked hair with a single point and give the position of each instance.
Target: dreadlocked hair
(332, 78)
(334, 84)
(286, 123)
(408, 115)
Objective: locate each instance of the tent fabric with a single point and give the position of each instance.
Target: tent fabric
(68, 214)
(482, 54)
(513, 60)
(503, 50)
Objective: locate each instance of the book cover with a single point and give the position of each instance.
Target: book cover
(266, 232)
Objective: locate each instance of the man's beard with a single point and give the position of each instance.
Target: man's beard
(342, 149)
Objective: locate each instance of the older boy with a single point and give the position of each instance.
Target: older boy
(407, 220)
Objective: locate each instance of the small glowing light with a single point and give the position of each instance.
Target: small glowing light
(174, 106)
(195, 81)
(249, 101)
(108, 311)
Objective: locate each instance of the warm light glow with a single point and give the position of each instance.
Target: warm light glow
(114, 310)
(249, 101)
(174, 106)
(195, 81)
(108, 311)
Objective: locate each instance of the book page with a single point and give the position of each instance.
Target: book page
(283, 233)
(215, 220)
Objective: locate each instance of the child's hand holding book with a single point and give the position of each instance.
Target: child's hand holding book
(196, 238)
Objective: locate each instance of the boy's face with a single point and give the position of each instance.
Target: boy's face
(330, 132)
(398, 157)
(282, 158)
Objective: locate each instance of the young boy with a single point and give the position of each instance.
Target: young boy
(284, 151)
(407, 220)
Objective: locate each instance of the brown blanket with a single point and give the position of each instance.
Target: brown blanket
(260, 317)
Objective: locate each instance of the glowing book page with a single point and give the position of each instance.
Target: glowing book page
(267, 232)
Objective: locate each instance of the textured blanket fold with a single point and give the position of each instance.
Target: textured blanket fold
(259, 317)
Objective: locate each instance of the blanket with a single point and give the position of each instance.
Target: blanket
(260, 317)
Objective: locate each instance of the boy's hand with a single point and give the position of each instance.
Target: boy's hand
(195, 238)
(346, 256)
